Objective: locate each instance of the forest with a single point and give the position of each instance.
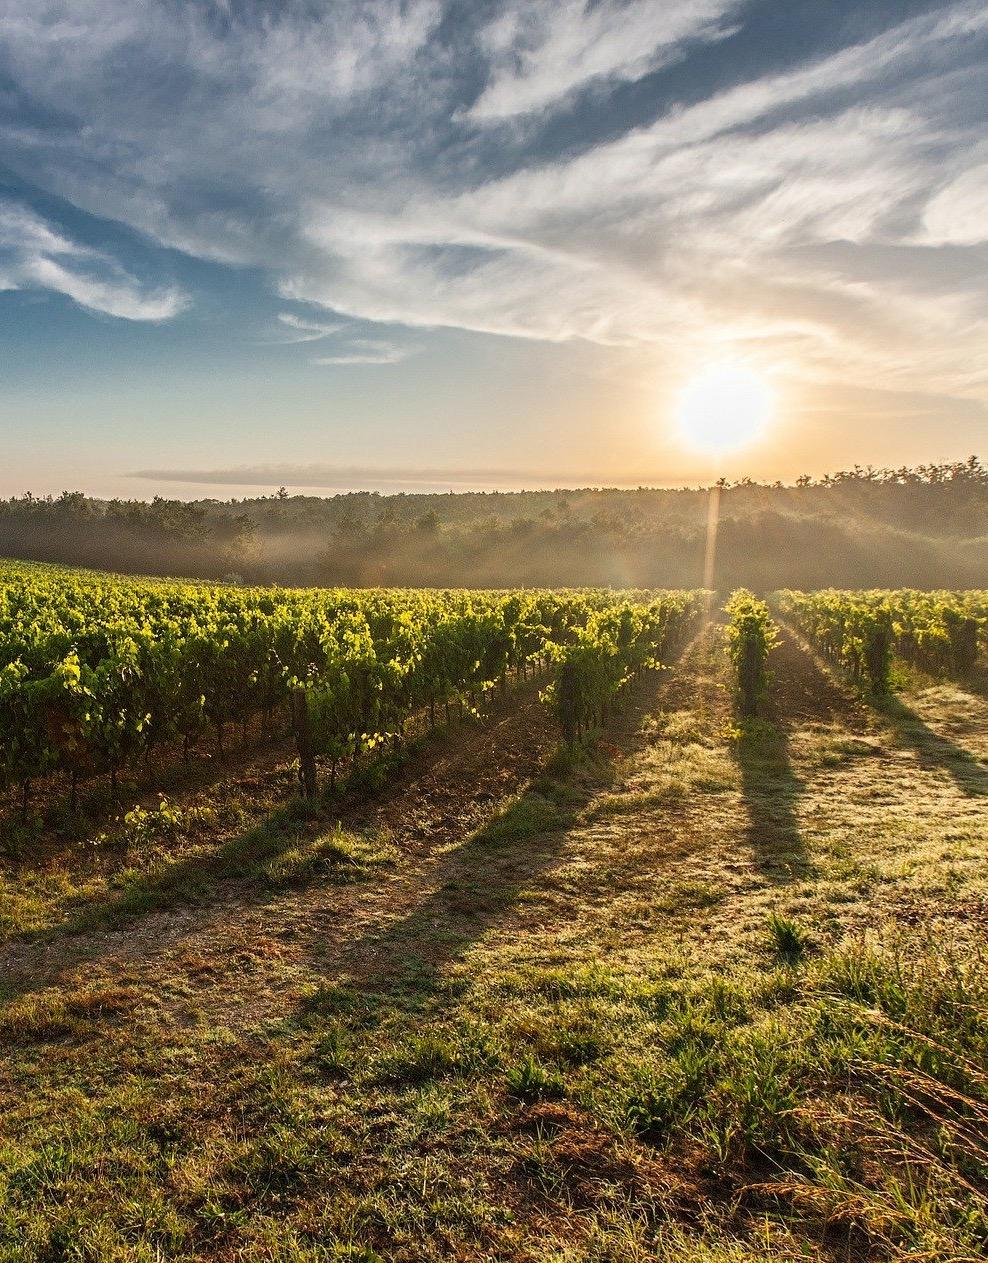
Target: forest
(909, 527)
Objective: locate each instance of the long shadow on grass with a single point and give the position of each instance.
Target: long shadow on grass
(499, 866)
(482, 880)
(252, 855)
(284, 847)
(299, 842)
(256, 854)
(933, 750)
(771, 791)
(770, 786)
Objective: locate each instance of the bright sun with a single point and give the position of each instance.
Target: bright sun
(724, 408)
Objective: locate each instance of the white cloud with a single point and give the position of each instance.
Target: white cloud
(958, 214)
(35, 255)
(306, 330)
(542, 52)
(367, 351)
(352, 159)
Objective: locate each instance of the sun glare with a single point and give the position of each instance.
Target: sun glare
(724, 408)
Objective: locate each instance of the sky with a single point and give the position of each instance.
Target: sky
(434, 244)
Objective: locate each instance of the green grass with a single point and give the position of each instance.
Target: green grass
(788, 940)
(763, 1095)
(157, 858)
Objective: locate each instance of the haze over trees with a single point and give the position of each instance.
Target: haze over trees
(921, 527)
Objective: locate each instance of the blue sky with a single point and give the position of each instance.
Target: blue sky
(439, 244)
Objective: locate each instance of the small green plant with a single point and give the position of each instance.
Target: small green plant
(347, 856)
(531, 1080)
(788, 940)
(143, 826)
(332, 1053)
(330, 1000)
(419, 1059)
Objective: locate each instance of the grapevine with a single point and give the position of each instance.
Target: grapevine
(99, 672)
(942, 633)
(751, 635)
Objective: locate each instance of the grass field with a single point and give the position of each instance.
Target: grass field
(709, 991)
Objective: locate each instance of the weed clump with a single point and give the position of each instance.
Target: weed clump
(531, 1080)
(789, 941)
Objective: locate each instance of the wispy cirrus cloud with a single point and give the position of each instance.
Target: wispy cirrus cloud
(367, 351)
(349, 349)
(956, 215)
(36, 255)
(301, 330)
(542, 53)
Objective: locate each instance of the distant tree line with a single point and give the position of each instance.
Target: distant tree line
(925, 526)
(158, 537)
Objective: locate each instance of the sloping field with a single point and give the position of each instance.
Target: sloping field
(707, 991)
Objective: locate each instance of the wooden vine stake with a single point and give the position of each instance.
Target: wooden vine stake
(303, 742)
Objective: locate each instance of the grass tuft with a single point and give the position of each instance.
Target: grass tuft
(789, 941)
(532, 1080)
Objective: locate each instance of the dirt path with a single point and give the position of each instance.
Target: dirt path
(803, 691)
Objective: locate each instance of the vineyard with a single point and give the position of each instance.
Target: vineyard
(97, 673)
(942, 633)
(545, 926)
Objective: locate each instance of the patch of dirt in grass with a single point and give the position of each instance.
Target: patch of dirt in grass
(588, 1168)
